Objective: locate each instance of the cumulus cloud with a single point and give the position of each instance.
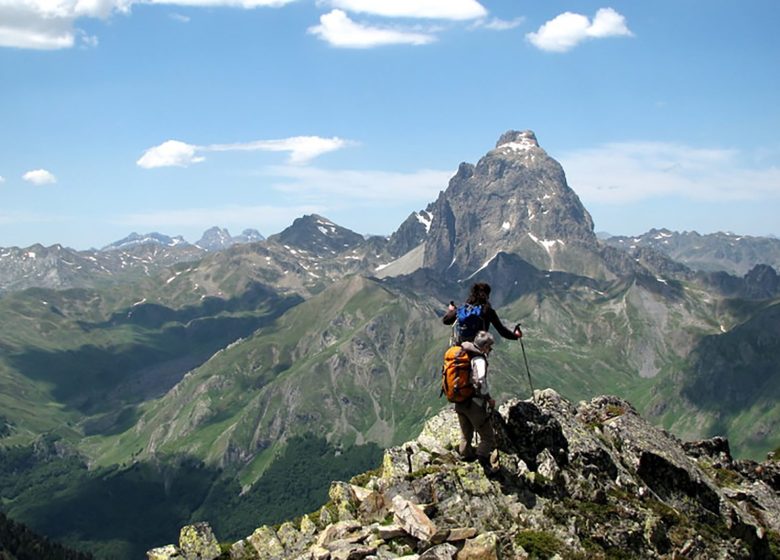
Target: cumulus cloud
(2, 179)
(629, 172)
(567, 30)
(39, 177)
(430, 9)
(339, 30)
(301, 149)
(43, 24)
(171, 153)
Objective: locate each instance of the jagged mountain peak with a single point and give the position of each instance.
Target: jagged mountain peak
(135, 239)
(516, 199)
(411, 233)
(249, 235)
(318, 235)
(215, 238)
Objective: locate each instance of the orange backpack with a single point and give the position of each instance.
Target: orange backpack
(456, 375)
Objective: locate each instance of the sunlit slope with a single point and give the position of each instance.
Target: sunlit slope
(355, 363)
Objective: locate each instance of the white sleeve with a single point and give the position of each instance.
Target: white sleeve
(479, 374)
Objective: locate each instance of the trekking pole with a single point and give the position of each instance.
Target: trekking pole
(453, 336)
(527, 369)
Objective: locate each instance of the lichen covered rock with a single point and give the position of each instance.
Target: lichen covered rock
(197, 542)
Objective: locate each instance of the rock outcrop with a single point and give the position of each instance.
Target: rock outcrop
(514, 200)
(587, 481)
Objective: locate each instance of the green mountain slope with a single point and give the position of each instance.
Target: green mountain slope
(87, 358)
(734, 377)
(344, 365)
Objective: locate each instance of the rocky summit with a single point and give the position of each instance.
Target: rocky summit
(593, 480)
(515, 199)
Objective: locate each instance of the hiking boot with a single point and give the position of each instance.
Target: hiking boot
(467, 453)
(491, 471)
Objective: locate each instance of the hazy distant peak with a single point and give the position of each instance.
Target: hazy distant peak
(134, 240)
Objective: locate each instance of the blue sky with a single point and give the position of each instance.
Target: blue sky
(174, 116)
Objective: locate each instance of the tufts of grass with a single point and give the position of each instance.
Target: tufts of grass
(539, 544)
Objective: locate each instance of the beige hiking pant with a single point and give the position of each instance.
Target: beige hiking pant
(473, 416)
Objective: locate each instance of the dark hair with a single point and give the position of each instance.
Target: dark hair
(479, 294)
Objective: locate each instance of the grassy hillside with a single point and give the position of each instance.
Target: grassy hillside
(345, 365)
(73, 361)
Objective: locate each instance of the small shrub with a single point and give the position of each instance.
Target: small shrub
(614, 410)
(363, 479)
(425, 471)
(774, 543)
(727, 477)
(539, 544)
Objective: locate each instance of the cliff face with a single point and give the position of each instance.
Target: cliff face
(515, 199)
(587, 481)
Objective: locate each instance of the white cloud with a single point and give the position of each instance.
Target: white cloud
(430, 9)
(2, 179)
(302, 149)
(628, 172)
(39, 177)
(171, 153)
(496, 24)
(339, 30)
(567, 30)
(51, 24)
(180, 18)
(608, 23)
(359, 187)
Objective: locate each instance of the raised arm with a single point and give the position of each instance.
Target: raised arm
(492, 317)
(451, 315)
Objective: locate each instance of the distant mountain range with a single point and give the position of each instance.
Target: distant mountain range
(134, 256)
(735, 254)
(164, 362)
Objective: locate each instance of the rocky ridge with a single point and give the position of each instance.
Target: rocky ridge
(588, 481)
(133, 257)
(57, 267)
(735, 254)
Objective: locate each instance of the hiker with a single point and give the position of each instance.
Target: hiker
(474, 412)
(477, 315)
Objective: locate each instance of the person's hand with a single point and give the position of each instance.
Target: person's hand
(451, 306)
(518, 332)
(491, 405)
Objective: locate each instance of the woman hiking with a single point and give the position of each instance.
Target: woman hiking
(477, 315)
